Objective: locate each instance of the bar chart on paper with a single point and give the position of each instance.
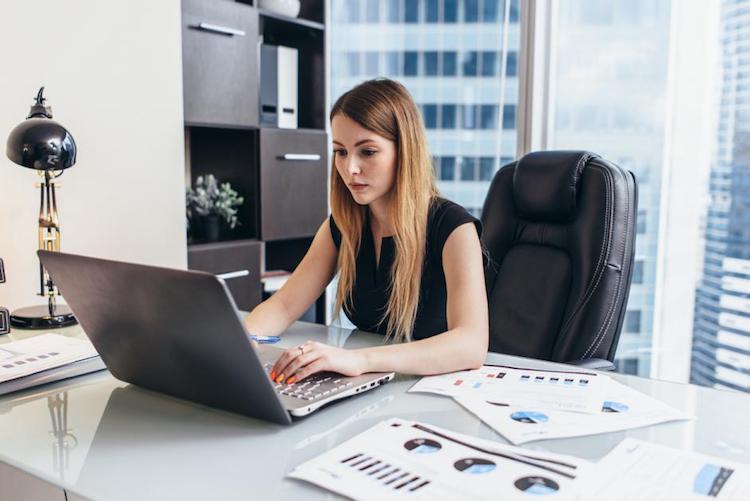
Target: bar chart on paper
(398, 459)
(571, 391)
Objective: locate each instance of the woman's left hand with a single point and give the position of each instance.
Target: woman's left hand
(297, 363)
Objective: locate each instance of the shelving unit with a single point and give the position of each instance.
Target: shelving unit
(281, 173)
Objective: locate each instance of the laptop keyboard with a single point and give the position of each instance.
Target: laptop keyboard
(313, 387)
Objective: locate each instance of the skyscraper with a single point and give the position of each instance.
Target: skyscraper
(721, 333)
(459, 60)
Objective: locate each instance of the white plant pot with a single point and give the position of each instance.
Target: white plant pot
(285, 7)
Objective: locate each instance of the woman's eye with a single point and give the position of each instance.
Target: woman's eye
(341, 153)
(369, 153)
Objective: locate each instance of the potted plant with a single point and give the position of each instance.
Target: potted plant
(211, 205)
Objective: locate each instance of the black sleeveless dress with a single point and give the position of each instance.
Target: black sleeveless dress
(370, 294)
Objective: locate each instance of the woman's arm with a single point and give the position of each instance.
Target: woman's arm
(307, 283)
(462, 346)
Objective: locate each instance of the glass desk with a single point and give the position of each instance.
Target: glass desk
(100, 438)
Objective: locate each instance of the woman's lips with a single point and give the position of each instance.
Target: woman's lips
(357, 186)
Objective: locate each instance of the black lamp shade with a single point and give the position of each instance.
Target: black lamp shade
(41, 144)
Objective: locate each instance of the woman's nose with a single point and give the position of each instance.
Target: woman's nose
(352, 167)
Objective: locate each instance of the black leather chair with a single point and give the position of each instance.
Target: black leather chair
(559, 227)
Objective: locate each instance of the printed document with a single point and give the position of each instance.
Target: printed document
(623, 408)
(578, 391)
(637, 470)
(399, 459)
(39, 353)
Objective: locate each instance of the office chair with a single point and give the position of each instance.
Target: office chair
(559, 227)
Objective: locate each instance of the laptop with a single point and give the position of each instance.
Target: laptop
(180, 333)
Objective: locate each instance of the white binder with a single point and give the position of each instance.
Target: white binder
(286, 81)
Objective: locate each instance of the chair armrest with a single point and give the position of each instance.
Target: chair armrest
(597, 364)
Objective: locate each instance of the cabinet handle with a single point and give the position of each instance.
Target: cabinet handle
(303, 157)
(4, 321)
(223, 30)
(233, 274)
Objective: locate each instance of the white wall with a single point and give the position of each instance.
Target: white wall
(112, 72)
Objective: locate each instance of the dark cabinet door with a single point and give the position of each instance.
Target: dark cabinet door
(238, 261)
(293, 183)
(220, 63)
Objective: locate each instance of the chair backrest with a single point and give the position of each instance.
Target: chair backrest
(560, 230)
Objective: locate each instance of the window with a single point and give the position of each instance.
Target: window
(641, 226)
(509, 116)
(511, 64)
(411, 11)
(627, 366)
(470, 63)
(431, 11)
(489, 10)
(352, 10)
(450, 11)
(372, 11)
(486, 165)
(372, 63)
(352, 63)
(394, 11)
(449, 64)
(638, 271)
(447, 168)
(633, 321)
(489, 64)
(410, 64)
(468, 168)
(448, 116)
(431, 63)
(471, 11)
(468, 116)
(430, 116)
(488, 116)
(514, 12)
(392, 64)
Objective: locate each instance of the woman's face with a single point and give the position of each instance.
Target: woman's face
(365, 161)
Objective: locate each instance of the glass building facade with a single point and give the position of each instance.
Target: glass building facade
(458, 59)
(721, 332)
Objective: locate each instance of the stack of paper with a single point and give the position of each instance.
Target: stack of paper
(43, 359)
(525, 405)
(404, 459)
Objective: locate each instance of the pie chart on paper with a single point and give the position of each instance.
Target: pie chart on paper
(529, 417)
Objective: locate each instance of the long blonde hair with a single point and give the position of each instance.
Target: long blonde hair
(386, 108)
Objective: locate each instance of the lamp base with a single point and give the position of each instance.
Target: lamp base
(40, 317)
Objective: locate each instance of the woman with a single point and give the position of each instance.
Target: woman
(410, 263)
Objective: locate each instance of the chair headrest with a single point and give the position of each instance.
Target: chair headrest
(545, 184)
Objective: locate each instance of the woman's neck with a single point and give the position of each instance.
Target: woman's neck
(380, 220)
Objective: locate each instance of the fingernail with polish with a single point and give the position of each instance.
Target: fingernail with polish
(291, 380)
(280, 378)
(273, 375)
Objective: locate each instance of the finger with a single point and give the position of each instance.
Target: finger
(286, 358)
(279, 372)
(291, 370)
(316, 366)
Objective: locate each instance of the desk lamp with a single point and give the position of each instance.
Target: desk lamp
(44, 145)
